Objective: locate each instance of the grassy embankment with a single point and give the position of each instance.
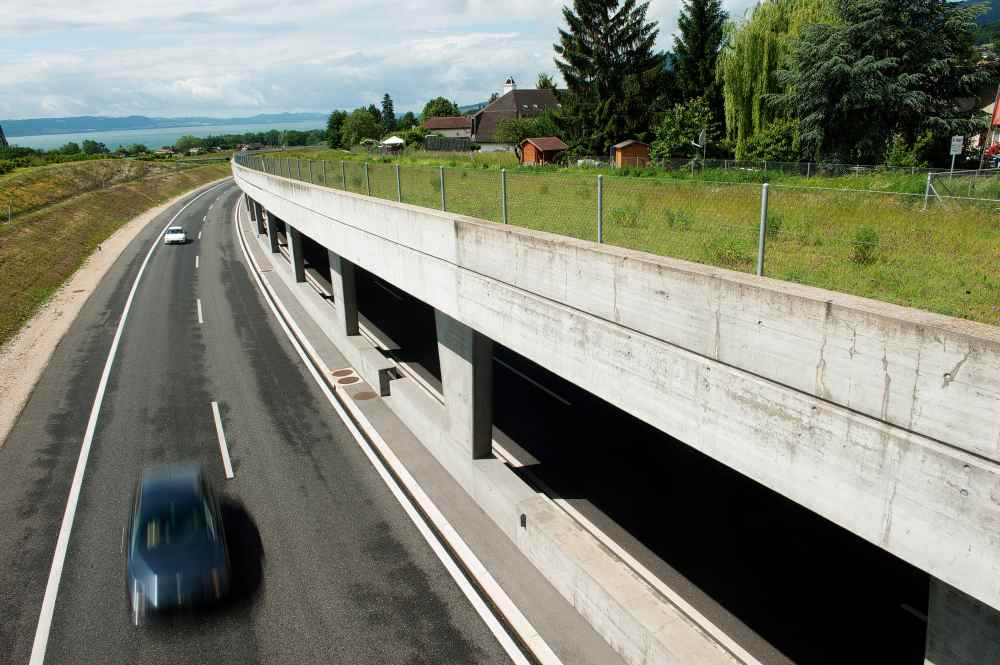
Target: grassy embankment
(63, 212)
(877, 245)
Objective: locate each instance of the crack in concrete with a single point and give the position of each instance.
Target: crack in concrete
(950, 376)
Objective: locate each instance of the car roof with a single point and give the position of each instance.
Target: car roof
(170, 481)
(175, 228)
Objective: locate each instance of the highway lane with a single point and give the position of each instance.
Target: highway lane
(331, 568)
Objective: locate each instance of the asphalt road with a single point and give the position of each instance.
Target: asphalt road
(331, 568)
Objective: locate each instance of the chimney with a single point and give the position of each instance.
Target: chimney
(509, 85)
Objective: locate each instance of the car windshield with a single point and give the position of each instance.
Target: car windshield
(178, 522)
(175, 229)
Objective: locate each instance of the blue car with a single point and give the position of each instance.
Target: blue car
(175, 544)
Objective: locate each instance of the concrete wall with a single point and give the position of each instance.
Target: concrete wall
(882, 419)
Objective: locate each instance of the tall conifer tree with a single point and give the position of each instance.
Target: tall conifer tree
(701, 24)
(388, 114)
(612, 73)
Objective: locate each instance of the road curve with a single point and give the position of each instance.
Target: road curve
(332, 569)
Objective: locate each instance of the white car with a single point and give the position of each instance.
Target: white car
(175, 236)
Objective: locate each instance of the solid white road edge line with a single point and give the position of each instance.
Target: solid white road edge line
(525, 631)
(62, 542)
(201, 319)
(226, 463)
(195, 261)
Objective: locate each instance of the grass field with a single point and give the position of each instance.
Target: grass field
(67, 219)
(897, 181)
(29, 189)
(874, 244)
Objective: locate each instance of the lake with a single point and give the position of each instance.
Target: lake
(152, 138)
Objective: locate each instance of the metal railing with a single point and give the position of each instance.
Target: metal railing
(865, 242)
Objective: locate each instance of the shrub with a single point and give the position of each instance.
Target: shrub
(679, 219)
(865, 245)
(774, 223)
(625, 216)
(729, 252)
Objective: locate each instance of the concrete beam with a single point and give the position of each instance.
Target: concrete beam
(960, 629)
(345, 293)
(295, 253)
(467, 381)
(272, 232)
(928, 503)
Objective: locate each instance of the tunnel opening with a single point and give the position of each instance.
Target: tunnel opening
(787, 584)
(402, 326)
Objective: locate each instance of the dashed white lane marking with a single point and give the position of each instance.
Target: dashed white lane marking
(41, 642)
(227, 465)
(205, 218)
(199, 235)
(195, 261)
(201, 319)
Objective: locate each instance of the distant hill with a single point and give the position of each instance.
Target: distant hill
(469, 109)
(989, 16)
(89, 123)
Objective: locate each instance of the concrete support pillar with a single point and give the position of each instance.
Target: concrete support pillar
(345, 293)
(272, 232)
(258, 215)
(295, 253)
(467, 381)
(960, 629)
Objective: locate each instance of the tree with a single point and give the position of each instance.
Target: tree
(778, 141)
(545, 82)
(334, 125)
(70, 148)
(493, 97)
(187, 142)
(515, 130)
(94, 148)
(701, 24)
(612, 73)
(680, 128)
(439, 107)
(361, 124)
(408, 121)
(375, 112)
(883, 67)
(388, 114)
(754, 48)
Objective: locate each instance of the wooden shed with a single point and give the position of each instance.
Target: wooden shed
(542, 150)
(631, 153)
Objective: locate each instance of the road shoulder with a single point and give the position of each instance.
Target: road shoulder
(26, 356)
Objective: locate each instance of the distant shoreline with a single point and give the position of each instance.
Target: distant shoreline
(97, 124)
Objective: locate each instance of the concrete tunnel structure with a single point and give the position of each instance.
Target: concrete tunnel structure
(881, 419)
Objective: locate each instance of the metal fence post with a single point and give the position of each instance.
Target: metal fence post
(325, 181)
(503, 195)
(927, 191)
(399, 186)
(343, 173)
(441, 178)
(600, 208)
(763, 230)
(298, 168)
(310, 163)
(368, 181)
(809, 169)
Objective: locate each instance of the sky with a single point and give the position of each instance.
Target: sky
(222, 58)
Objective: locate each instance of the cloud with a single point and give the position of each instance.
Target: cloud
(221, 57)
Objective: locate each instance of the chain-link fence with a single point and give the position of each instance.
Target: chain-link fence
(976, 184)
(875, 244)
